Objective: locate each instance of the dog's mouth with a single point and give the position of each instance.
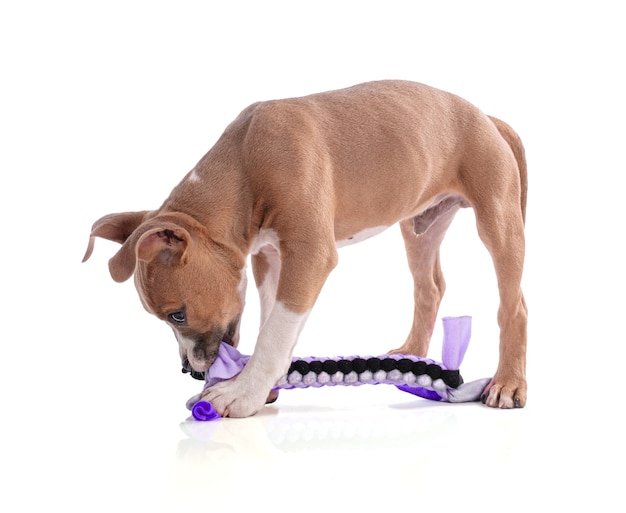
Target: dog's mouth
(201, 375)
(187, 369)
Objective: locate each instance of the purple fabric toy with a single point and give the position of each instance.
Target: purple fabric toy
(418, 376)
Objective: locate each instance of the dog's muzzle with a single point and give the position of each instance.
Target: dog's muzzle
(207, 340)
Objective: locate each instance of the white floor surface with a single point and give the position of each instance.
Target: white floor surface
(104, 108)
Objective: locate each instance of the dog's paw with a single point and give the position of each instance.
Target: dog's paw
(232, 399)
(505, 394)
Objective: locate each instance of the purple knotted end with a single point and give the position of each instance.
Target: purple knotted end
(204, 410)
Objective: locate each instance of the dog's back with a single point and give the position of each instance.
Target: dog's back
(291, 180)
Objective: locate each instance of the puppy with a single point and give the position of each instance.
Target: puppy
(289, 182)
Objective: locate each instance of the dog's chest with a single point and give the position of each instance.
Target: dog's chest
(266, 237)
(361, 236)
(269, 237)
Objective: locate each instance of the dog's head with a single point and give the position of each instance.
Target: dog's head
(182, 276)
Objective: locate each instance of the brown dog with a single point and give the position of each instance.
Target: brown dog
(292, 180)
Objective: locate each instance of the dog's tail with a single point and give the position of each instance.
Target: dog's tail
(514, 141)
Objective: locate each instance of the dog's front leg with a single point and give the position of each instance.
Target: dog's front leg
(303, 271)
(266, 270)
(246, 394)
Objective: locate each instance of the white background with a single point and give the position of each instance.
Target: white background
(104, 106)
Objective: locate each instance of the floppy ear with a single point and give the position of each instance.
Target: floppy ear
(168, 242)
(115, 227)
(154, 239)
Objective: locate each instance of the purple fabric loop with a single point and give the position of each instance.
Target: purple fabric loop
(229, 363)
(456, 336)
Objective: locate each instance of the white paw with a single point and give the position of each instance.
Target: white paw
(233, 399)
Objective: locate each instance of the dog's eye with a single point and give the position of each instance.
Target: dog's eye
(178, 317)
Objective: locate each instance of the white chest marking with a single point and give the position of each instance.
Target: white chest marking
(193, 176)
(361, 236)
(266, 236)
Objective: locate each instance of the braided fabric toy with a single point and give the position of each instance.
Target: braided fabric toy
(418, 376)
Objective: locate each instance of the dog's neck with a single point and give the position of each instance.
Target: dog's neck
(224, 208)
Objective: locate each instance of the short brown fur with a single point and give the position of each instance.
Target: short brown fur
(289, 179)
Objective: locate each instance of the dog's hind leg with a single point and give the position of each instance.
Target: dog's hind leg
(500, 218)
(502, 232)
(422, 238)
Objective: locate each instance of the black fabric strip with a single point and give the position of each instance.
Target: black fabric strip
(434, 371)
(388, 364)
(359, 365)
(316, 366)
(300, 366)
(330, 366)
(452, 378)
(344, 366)
(405, 365)
(373, 364)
